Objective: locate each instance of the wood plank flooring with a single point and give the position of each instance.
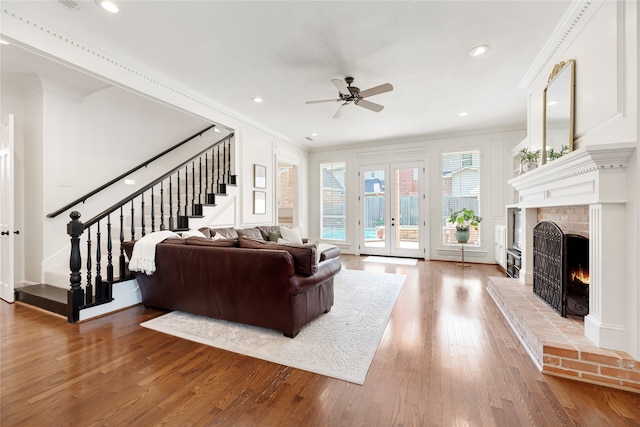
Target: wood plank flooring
(447, 358)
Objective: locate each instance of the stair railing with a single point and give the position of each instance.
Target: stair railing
(214, 160)
(125, 174)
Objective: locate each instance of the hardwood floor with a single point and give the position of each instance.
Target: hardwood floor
(447, 358)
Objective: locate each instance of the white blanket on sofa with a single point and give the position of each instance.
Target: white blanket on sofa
(143, 257)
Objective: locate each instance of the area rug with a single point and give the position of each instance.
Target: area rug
(340, 344)
(391, 260)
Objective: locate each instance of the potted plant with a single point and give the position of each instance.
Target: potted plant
(529, 159)
(463, 219)
(379, 224)
(553, 154)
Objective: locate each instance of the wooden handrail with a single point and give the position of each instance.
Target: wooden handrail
(127, 173)
(153, 183)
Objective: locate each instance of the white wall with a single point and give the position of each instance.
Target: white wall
(495, 165)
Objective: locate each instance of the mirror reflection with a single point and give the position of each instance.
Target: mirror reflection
(558, 111)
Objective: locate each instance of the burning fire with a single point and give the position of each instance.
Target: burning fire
(580, 274)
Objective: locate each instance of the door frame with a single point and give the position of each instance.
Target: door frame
(7, 220)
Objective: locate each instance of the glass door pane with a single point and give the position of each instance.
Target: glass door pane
(374, 228)
(406, 210)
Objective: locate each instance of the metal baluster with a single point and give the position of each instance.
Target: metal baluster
(218, 176)
(153, 212)
(213, 171)
(99, 284)
(162, 205)
(186, 190)
(133, 226)
(142, 214)
(89, 287)
(200, 179)
(178, 185)
(193, 186)
(121, 239)
(170, 206)
(224, 160)
(107, 293)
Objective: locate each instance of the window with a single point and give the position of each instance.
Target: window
(460, 189)
(333, 201)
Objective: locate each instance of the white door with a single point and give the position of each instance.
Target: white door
(391, 218)
(6, 210)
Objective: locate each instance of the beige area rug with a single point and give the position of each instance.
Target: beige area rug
(340, 344)
(391, 260)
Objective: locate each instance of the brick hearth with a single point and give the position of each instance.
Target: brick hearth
(558, 345)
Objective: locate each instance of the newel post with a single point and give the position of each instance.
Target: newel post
(75, 295)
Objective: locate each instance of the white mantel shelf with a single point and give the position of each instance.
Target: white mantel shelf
(588, 175)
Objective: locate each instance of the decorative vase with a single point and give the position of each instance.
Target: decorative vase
(462, 236)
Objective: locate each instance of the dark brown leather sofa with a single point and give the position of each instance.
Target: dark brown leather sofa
(257, 282)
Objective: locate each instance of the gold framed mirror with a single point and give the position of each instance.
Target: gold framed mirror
(558, 113)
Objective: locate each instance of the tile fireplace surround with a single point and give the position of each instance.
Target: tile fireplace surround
(593, 176)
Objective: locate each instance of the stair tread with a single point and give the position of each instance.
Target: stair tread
(49, 292)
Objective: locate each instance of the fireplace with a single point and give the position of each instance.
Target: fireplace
(561, 269)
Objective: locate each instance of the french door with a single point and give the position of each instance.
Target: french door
(391, 220)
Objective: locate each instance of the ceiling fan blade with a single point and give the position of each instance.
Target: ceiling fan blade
(387, 87)
(340, 111)
(342, 86)
(369, 105)
(323, 100)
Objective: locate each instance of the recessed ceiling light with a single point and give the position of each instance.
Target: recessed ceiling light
(463, 114)
(109, 6)
(216, 130)
(314, 134)
(257, 99)
(479, 50)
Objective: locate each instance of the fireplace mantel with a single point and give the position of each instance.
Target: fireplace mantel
(591, 174)
(594, 175)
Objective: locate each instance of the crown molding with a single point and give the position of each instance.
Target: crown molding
(565, 31)
(29, 29)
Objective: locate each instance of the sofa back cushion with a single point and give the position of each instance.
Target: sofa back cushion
(304, 256)
(227, 233)
(204, 241)
(251, 233)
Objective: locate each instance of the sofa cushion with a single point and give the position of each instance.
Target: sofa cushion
(291, 235)
(192, 233)
(204, 241)
(227, 233)
(206, 231)
(267, 229)
(252, 233)
(274, 237)
(304, 256)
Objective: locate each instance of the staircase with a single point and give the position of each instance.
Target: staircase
(178, 200)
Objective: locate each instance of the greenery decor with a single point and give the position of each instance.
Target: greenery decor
(527, 156)
(553, 154)
(464, 218)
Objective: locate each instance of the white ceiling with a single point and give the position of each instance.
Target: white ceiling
(288, 51)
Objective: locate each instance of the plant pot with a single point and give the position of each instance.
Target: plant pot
(462, 236)
(380, 233)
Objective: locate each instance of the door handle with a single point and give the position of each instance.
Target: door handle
(6, 233)
(15, 232)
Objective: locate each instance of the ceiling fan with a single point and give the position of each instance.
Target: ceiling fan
(348, 94)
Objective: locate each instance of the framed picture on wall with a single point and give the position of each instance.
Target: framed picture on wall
(259, 202)
(259, 176)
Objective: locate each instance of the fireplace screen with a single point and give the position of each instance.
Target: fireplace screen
(561, 269)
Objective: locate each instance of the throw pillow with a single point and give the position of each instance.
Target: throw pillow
(274, 237)
(291, 234)
(304, 256)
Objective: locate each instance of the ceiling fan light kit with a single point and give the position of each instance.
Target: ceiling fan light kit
(351, 94)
